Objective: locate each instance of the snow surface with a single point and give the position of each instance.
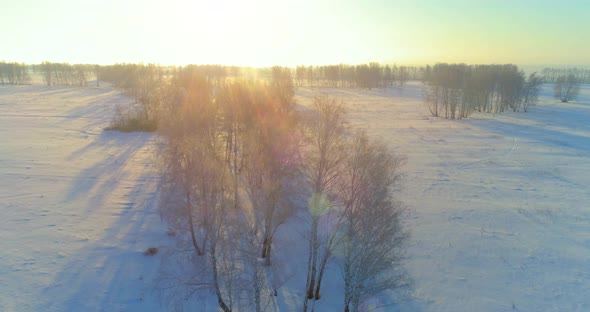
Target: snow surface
(499, 211)
(77, 204)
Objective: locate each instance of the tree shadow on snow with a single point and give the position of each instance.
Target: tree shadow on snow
(560, 126)
(111, 273)
(112, 150)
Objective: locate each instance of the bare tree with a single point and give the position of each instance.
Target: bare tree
(403, 75)
(97, 72)
(566, 88)
(300, 74)
(282, 87)
(531, 91)
(373, 237)
(230, 151)
(47, 72)
(81, 74)
(325, 139)
(271, 159)
(196, 171)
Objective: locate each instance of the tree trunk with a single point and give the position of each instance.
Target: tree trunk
(314, 261)
(257, 289)
(191, 226)
(310, 294)
(308, 279)
(264, 242)
(268, 250)
(325, 258)
(320, 276)
(220, 301)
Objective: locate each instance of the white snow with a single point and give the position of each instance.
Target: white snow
(76, 203)
(501, 219)
(499, 211)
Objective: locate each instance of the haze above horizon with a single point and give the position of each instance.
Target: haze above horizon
(290, 32)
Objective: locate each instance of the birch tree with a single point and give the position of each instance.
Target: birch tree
(373, 239)
(324, 153)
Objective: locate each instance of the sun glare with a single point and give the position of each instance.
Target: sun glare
(221, 32)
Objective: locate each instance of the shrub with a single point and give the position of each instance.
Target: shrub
(133, 120)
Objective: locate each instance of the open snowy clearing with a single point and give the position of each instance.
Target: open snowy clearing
(499, 203)
(77, 204)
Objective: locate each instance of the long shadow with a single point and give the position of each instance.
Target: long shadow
(111, 149)
(565, 115)
(563, 126)
(100, 105)
(111, 273)
(583, 96)
(114, 150)
(86, 91)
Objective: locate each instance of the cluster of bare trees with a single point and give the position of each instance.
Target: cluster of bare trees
(456, 90)
(127, 75)
(353, 181)
(371, 75)
(148, 83)
(238, 160)
(64, 74)
(144, 82)
(216, 74)
(554, 74)
(14, 73)
(230, 154)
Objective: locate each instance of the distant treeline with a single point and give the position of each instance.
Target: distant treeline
(371, 75)
(553, 74)
(455, 90)
(14, 73)
(65, 74)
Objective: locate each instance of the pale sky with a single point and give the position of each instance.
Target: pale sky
(292, 32)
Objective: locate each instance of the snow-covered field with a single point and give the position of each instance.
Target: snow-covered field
(76, 204)
(498, 204)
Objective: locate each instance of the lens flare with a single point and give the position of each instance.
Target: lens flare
(318, 204)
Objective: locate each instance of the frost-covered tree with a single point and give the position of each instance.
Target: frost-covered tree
(530, 92)
(272, 159)
(282, 87)
(372, 235)
(455, 90)
(229, 154)
(197, 205)
(324, 152)
(566, 87)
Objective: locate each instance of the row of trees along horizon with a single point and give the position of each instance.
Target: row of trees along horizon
(453, 91)
(370, 75)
